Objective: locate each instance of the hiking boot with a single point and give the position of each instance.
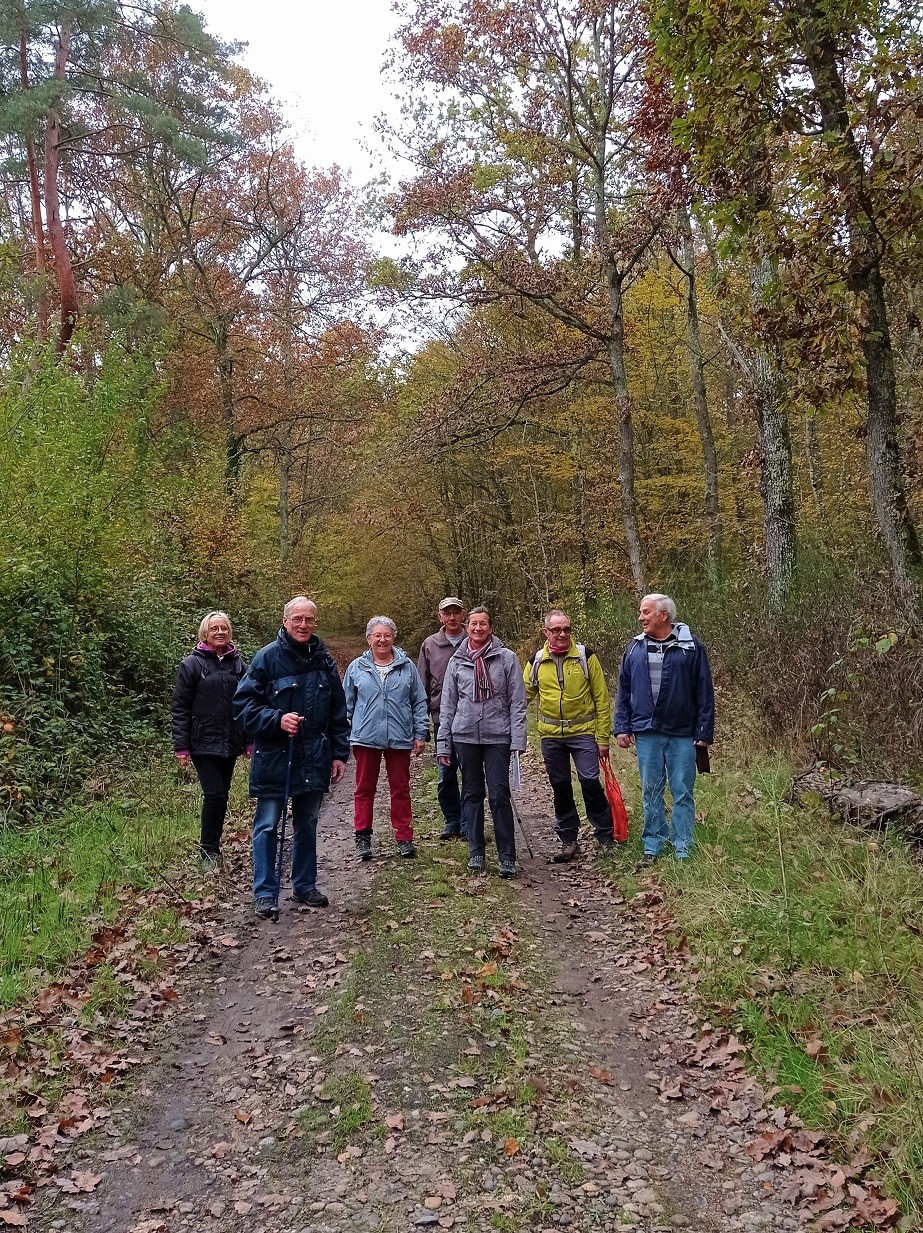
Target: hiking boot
(476, 864)
(264, 909)
(507, 869)
(210, 862)
(364, 845)
(310, 899)
(405, 848)
(648, 859)
(451, 831)
(567, 853)
(605, 844)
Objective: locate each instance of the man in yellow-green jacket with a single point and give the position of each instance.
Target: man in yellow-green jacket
(574, 723)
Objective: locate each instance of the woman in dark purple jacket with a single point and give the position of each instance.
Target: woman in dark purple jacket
(204, 731)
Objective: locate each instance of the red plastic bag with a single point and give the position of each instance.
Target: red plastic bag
(616, 804)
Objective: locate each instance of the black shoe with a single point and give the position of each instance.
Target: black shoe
(451, 832)
(476, 864)
(364, 845)
(507, 869)
(405, 848)
(310, 899)
(606, 843)
(264, 909)
(567, 853)
(648, 859)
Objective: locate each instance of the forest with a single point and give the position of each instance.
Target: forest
(629, 300)
(654, 325)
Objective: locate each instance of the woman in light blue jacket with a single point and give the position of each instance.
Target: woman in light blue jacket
(483, 718)
(389, 717)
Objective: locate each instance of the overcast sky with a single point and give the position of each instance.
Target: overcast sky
(322, 60)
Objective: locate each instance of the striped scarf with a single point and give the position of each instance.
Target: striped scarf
(483, 685)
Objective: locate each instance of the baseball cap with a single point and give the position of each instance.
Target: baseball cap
(450, 601)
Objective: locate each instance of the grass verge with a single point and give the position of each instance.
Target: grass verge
(809, 938)
(64, 879)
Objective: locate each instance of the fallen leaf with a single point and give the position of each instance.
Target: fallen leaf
(510, 1147)
(243, 1116)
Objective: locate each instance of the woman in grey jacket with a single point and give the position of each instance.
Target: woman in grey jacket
(483, 718)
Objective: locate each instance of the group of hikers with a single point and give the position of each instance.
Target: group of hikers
(289, 711)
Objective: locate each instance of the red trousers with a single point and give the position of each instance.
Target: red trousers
(397, 765)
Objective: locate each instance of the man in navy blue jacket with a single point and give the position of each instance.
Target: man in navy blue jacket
(666, 705)
(291, 705)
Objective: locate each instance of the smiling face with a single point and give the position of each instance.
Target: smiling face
(381, 640)
(218, 634)
(558, 631)
(654, 621)
(479, 629)
(300, 622)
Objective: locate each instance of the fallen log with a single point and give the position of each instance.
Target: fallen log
(869, 803)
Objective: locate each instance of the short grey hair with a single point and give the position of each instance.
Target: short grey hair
(298, 599)
(554, 612)
(217, 615)
(664, 603)
(380, 620)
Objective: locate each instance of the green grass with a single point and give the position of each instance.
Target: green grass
(344, 1111)
(809, 939)
(66, 877)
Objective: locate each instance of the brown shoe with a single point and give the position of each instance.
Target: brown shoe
(567, 853)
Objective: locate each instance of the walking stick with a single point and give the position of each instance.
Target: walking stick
(517, 772)
(280, 832)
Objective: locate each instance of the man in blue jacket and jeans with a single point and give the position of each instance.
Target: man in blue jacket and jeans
(666, 705)
(291, 704)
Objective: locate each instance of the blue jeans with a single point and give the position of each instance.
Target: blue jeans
(486, 772)
(447, 790)
(662, 758)
(305, 808)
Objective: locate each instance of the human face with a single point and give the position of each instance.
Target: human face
(653, 620)
(478, 629)
(558, 631)
(300, 622)
(218, 636)
(452, 620)
(381, 640)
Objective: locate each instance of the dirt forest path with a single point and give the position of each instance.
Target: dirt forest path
(435, 1049)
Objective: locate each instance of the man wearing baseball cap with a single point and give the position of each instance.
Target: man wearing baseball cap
(435, 654)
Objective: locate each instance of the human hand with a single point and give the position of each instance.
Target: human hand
(418, 747)
(444, 761)
(337, 770)
(291, 722)
(623, 740)
(603, 752)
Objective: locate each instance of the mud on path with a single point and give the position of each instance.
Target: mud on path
(435, 1049)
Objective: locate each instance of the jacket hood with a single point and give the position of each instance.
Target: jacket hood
(682, 632)
(306, 649)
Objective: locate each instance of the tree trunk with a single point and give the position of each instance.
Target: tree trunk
(35, 200)
(234, 451)
(881, 445)
(702, 415)
(67, 285)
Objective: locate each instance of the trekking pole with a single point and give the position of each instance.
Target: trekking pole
(525, 833)
(515, 785)
(280, 833)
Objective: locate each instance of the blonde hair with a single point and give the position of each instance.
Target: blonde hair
(207, 620)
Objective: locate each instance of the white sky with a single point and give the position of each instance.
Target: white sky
(322, 60)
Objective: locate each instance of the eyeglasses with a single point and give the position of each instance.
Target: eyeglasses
(309, 620)
(555, 631)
